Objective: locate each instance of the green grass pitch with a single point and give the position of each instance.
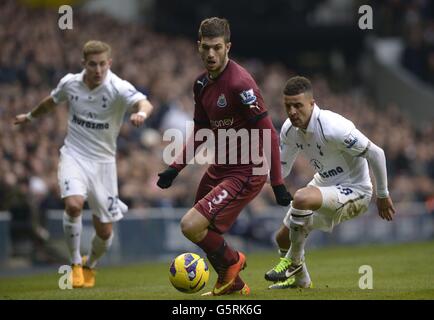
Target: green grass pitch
(404, 271)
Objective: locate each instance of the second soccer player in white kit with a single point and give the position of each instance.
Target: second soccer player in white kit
(340, 190)
(97, 101)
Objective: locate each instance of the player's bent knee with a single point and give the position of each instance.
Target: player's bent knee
(301, 200)
(74, 209)
(191, 231)
(103, 231)
(74, 205)
(194, 225)
(104, 234)
(307, 199)
(187, 227)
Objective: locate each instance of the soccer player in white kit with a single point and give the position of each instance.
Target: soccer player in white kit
(341, 188)
(97, 101)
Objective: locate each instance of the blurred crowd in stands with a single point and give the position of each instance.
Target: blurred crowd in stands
(413, 21)
(35, 55)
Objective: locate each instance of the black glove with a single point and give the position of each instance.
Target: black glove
(167, 177)
(283, 197)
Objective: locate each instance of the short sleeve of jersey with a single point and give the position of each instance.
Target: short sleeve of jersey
(129, 93)
(59, 94)
(349, 139)
(250, 98)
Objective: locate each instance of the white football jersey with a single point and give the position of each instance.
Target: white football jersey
(95, 116)
(333, 146)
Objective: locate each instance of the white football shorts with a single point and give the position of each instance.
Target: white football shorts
(96, 182)
(340, 203)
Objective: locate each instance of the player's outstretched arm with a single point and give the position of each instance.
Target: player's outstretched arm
(377, 161)
(283, 197)
(45, 106)
(141, 111)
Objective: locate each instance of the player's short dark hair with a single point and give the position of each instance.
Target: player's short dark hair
(215, 27)
(297, 85)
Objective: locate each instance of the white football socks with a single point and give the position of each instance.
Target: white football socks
(283, 252)
(299, 230)
(72, 231)
(302, 278)
(98, 249)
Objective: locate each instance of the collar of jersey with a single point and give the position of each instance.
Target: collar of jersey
(107, 77)
(312, 122)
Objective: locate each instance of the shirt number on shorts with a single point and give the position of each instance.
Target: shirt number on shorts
(345, 191)
(113, 206)
(218, 199)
